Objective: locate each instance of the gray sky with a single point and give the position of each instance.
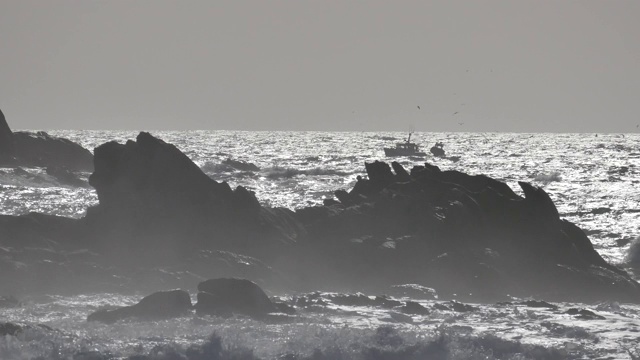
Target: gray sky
(567, 66)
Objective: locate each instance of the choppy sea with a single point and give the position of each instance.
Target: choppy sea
(592, 178)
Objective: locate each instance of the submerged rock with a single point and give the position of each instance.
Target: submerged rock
(227, 296)
(159, 305)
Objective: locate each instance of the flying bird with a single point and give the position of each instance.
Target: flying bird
(455, 113)
(460, 123)
(418, 107)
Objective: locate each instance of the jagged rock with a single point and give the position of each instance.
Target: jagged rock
(226, 296)
(6, 139)
(460, 307)
(412, 307)
(153, 195)
(42, 150)
(467, 236)
(401, 174)
(159, 305)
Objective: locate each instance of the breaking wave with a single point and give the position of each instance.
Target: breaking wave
(633, 254)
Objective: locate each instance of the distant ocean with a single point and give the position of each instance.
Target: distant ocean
(593, 180)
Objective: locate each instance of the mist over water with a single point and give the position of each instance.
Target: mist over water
(593, 181)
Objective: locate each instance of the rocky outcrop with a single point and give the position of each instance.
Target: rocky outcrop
(466, 236)
(227, 296)
(157, 306)
(43, 150)
(153, 196)
(40, 149)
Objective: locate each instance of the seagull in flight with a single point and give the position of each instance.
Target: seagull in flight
(460, 123)
(418, 107)
(455, 113)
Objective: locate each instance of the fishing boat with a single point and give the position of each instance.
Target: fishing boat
(438, 150)
(406, 148)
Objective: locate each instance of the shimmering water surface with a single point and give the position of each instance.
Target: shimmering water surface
(593, 180)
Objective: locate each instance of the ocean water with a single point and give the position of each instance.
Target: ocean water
(593, 180)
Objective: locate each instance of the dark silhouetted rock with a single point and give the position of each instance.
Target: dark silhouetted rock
(584, 314)
(468, 236)
(460, 307)
(43, 150)
(160, 305)
(6, 139)
(539, 304)
(153, 195)
(9, 329)
(412, 307)
(226, 296)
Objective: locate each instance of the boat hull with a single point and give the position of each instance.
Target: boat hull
(390, 152)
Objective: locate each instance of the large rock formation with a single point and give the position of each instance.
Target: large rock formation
(466, 236)
(153, 197)
(41, 149)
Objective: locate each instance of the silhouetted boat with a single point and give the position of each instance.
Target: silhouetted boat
(438, 150)
(406, 148)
